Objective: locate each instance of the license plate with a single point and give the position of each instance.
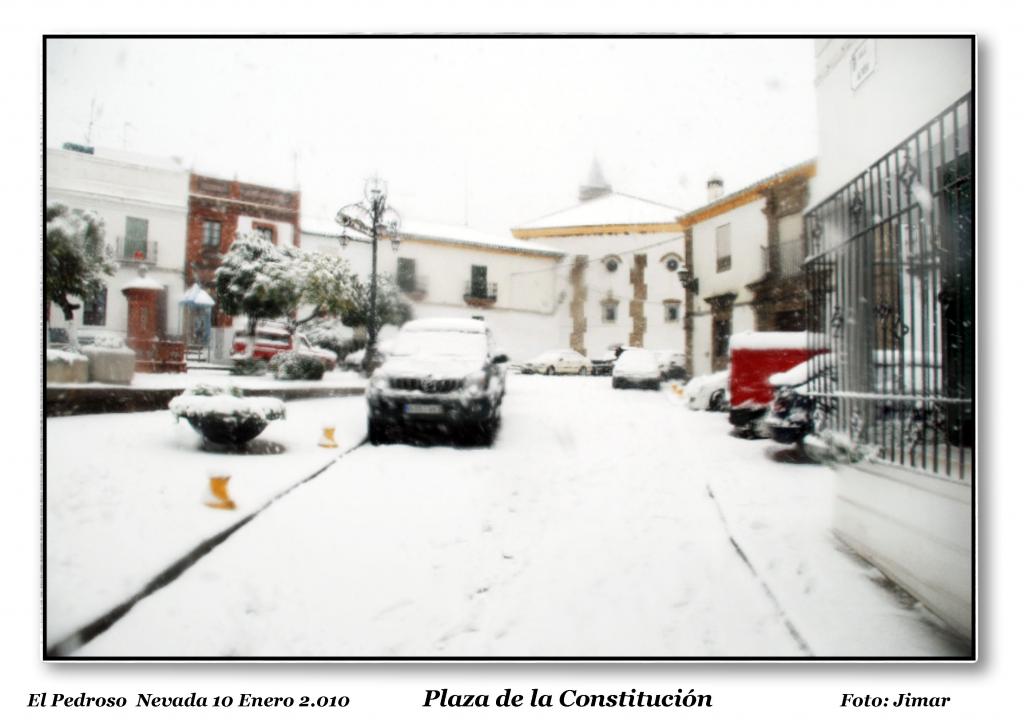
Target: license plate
(424, 408)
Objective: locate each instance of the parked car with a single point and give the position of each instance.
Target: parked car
(440, 373)
(636, 368)
(709, 392)
(792, 414)
(271, 339)
(795, 413)
(672, 364)
(557, 361)
(602, 364)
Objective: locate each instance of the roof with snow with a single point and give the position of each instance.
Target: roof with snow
(121, 156)
(747, 194)
(434, 232)
(614, 208)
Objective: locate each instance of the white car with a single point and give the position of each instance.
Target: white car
(558, 361)
(709, 392)
(636, 368)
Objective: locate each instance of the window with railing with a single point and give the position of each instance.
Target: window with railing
(136, 238)
(890, 277)
(478, 288)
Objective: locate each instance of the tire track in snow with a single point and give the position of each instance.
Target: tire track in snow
(794, 633)
(64, 648)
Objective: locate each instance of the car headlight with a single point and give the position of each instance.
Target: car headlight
(378, 383)
(474, 383)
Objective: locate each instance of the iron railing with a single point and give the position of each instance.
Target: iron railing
(890, 277)
(481, 291)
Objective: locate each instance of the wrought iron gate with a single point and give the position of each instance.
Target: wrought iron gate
(890, 277)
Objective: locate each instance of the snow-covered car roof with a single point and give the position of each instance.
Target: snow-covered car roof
(750, 340)
(798, 374)
(636, 360)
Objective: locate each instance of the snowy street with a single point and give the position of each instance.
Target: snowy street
(602, 523)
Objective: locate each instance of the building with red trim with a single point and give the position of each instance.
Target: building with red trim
(218, 211)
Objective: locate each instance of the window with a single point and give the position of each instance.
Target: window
(723, 248)
(609, 311)
(266, 231)
(478, 281)
(406, 274)
(672, 312)
(136, 238)
(211, 234)
(94, 308)
(672, 264)
(611, 265)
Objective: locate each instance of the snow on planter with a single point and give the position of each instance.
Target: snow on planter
(223, 416)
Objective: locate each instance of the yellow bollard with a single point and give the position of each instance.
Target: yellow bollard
(327, 440)
(219, 490)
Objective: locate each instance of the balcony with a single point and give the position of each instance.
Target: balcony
(129, 251)
(783, 260)
(481, 295)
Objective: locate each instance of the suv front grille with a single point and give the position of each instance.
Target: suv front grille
(429, 385)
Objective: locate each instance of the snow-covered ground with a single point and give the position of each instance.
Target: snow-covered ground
(602, 523)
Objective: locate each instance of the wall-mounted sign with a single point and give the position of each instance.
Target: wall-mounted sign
(862, 62)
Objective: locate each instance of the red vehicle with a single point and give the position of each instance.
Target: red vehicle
(755, 357)
(273, 339)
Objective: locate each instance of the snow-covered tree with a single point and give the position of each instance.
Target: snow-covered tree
(328, 285)
(77, 258)
(258, 280)
(392, 309)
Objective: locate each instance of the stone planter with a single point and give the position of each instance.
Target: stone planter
(64, 367)
(110, 365)
(227, 429)
(222, 416)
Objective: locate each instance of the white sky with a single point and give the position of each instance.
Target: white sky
(499, 131)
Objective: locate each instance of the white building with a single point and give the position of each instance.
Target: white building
(744, 251)
(143, 202)
(891, 262)
(449, 270)
(620, 272)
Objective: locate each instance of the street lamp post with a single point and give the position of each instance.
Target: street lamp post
(375, 219)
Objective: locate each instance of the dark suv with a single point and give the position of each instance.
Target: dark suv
(440, 373)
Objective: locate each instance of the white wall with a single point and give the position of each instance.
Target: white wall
(525, 314)
(748, 230)
(117, 189)
(914, 527)
(913, 80)
(661, 285)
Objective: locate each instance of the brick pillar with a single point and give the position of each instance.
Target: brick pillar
(142, 326)
(636, 305)
(577, 280)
